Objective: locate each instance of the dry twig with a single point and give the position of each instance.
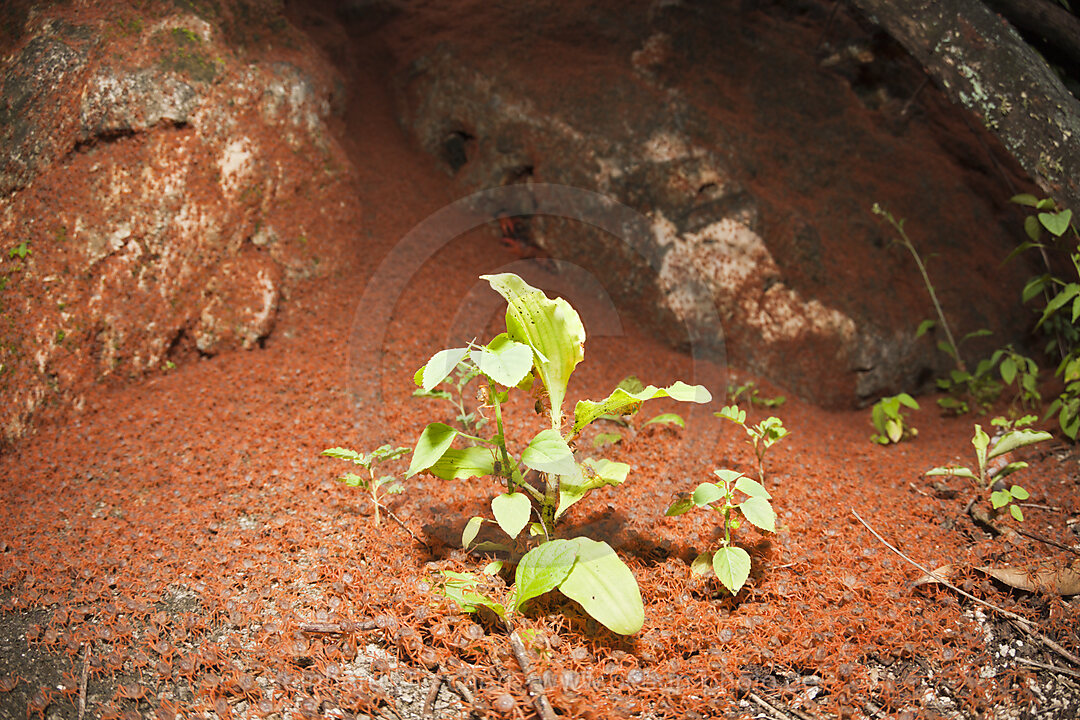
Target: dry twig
(532, 682)
(82, 682)
(1021, 622)
(1051, 668)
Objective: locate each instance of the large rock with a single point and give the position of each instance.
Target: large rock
(755, 160)
(150, 179)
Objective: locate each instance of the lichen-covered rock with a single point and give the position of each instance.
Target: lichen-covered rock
(728, 141)
(153, 175)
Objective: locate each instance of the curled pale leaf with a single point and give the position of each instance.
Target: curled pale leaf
(471, 529)
(1054, 580)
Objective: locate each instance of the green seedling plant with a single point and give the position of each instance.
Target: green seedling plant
(991, 476)
(962, 384)
(458, 381)
(730, 563)
(750, 390)
(889, 420)
(543, 344)
(761, 436)
(375, 486)
(1060, 313)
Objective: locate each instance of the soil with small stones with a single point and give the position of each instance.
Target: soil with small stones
(182, 543)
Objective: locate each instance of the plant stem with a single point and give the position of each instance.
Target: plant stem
(507, 467)
(906, 242)
(374, 494)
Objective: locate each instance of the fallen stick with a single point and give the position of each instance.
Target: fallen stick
(1023, 623)
(1051, 668)
(82, 682)
(532, 682)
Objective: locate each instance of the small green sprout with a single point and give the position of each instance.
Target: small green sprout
(762, 436)
(632, 384)
(21, 251)
(731, 564)
(888, 419)
(372, 484)
(991, 477)
(750, 389)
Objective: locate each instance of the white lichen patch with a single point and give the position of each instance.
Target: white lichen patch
(235, 164)
(665, 147)
(735, 266)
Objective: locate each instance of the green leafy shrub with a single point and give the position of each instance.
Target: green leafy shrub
(889, 420)
(1061, 300)
(1013, 435)
(730, 563)
(373, 485)
(543, 344)
(762, 436)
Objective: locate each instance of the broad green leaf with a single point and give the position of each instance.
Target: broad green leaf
(1034, 287)
(606, 439)
(976, 334)
(732, 567)
(493, 568)
(1017, 513)
(512, 512)
(504, 361)
(438, 394)
(464, 463)
(702, 564)
(592, 474)
(759, 513)
(728, 476)
(1066, 294)
(438, 367)
(907, 401)
(344, 454)
(434, 441)
(1031, 228)
(1017, 439)
(1046, 204)
(924, 327)
(752, 488)
(471, 529)
(1019, 493)
(1010, 469)
(1008, 370)
(1000, 498)
(542, 569)
(680, 505)
(952, 472)
(354, 480)
(732, 413)
(619, 400)
(551, 328)
(1025, 199)
(602, 584)
(894, 429)
(1057, 223)
(707, 493)
(631, 383)
(548, 452)
(667, 419)
(980, 440)
(609, 471)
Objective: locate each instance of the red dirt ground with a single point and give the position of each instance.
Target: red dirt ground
(180, 530)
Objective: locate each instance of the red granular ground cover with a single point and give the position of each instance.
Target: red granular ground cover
(185, 528)
(175, 536)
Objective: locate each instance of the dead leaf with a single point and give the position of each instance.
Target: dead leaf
(1057, 581)
(945, 572)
